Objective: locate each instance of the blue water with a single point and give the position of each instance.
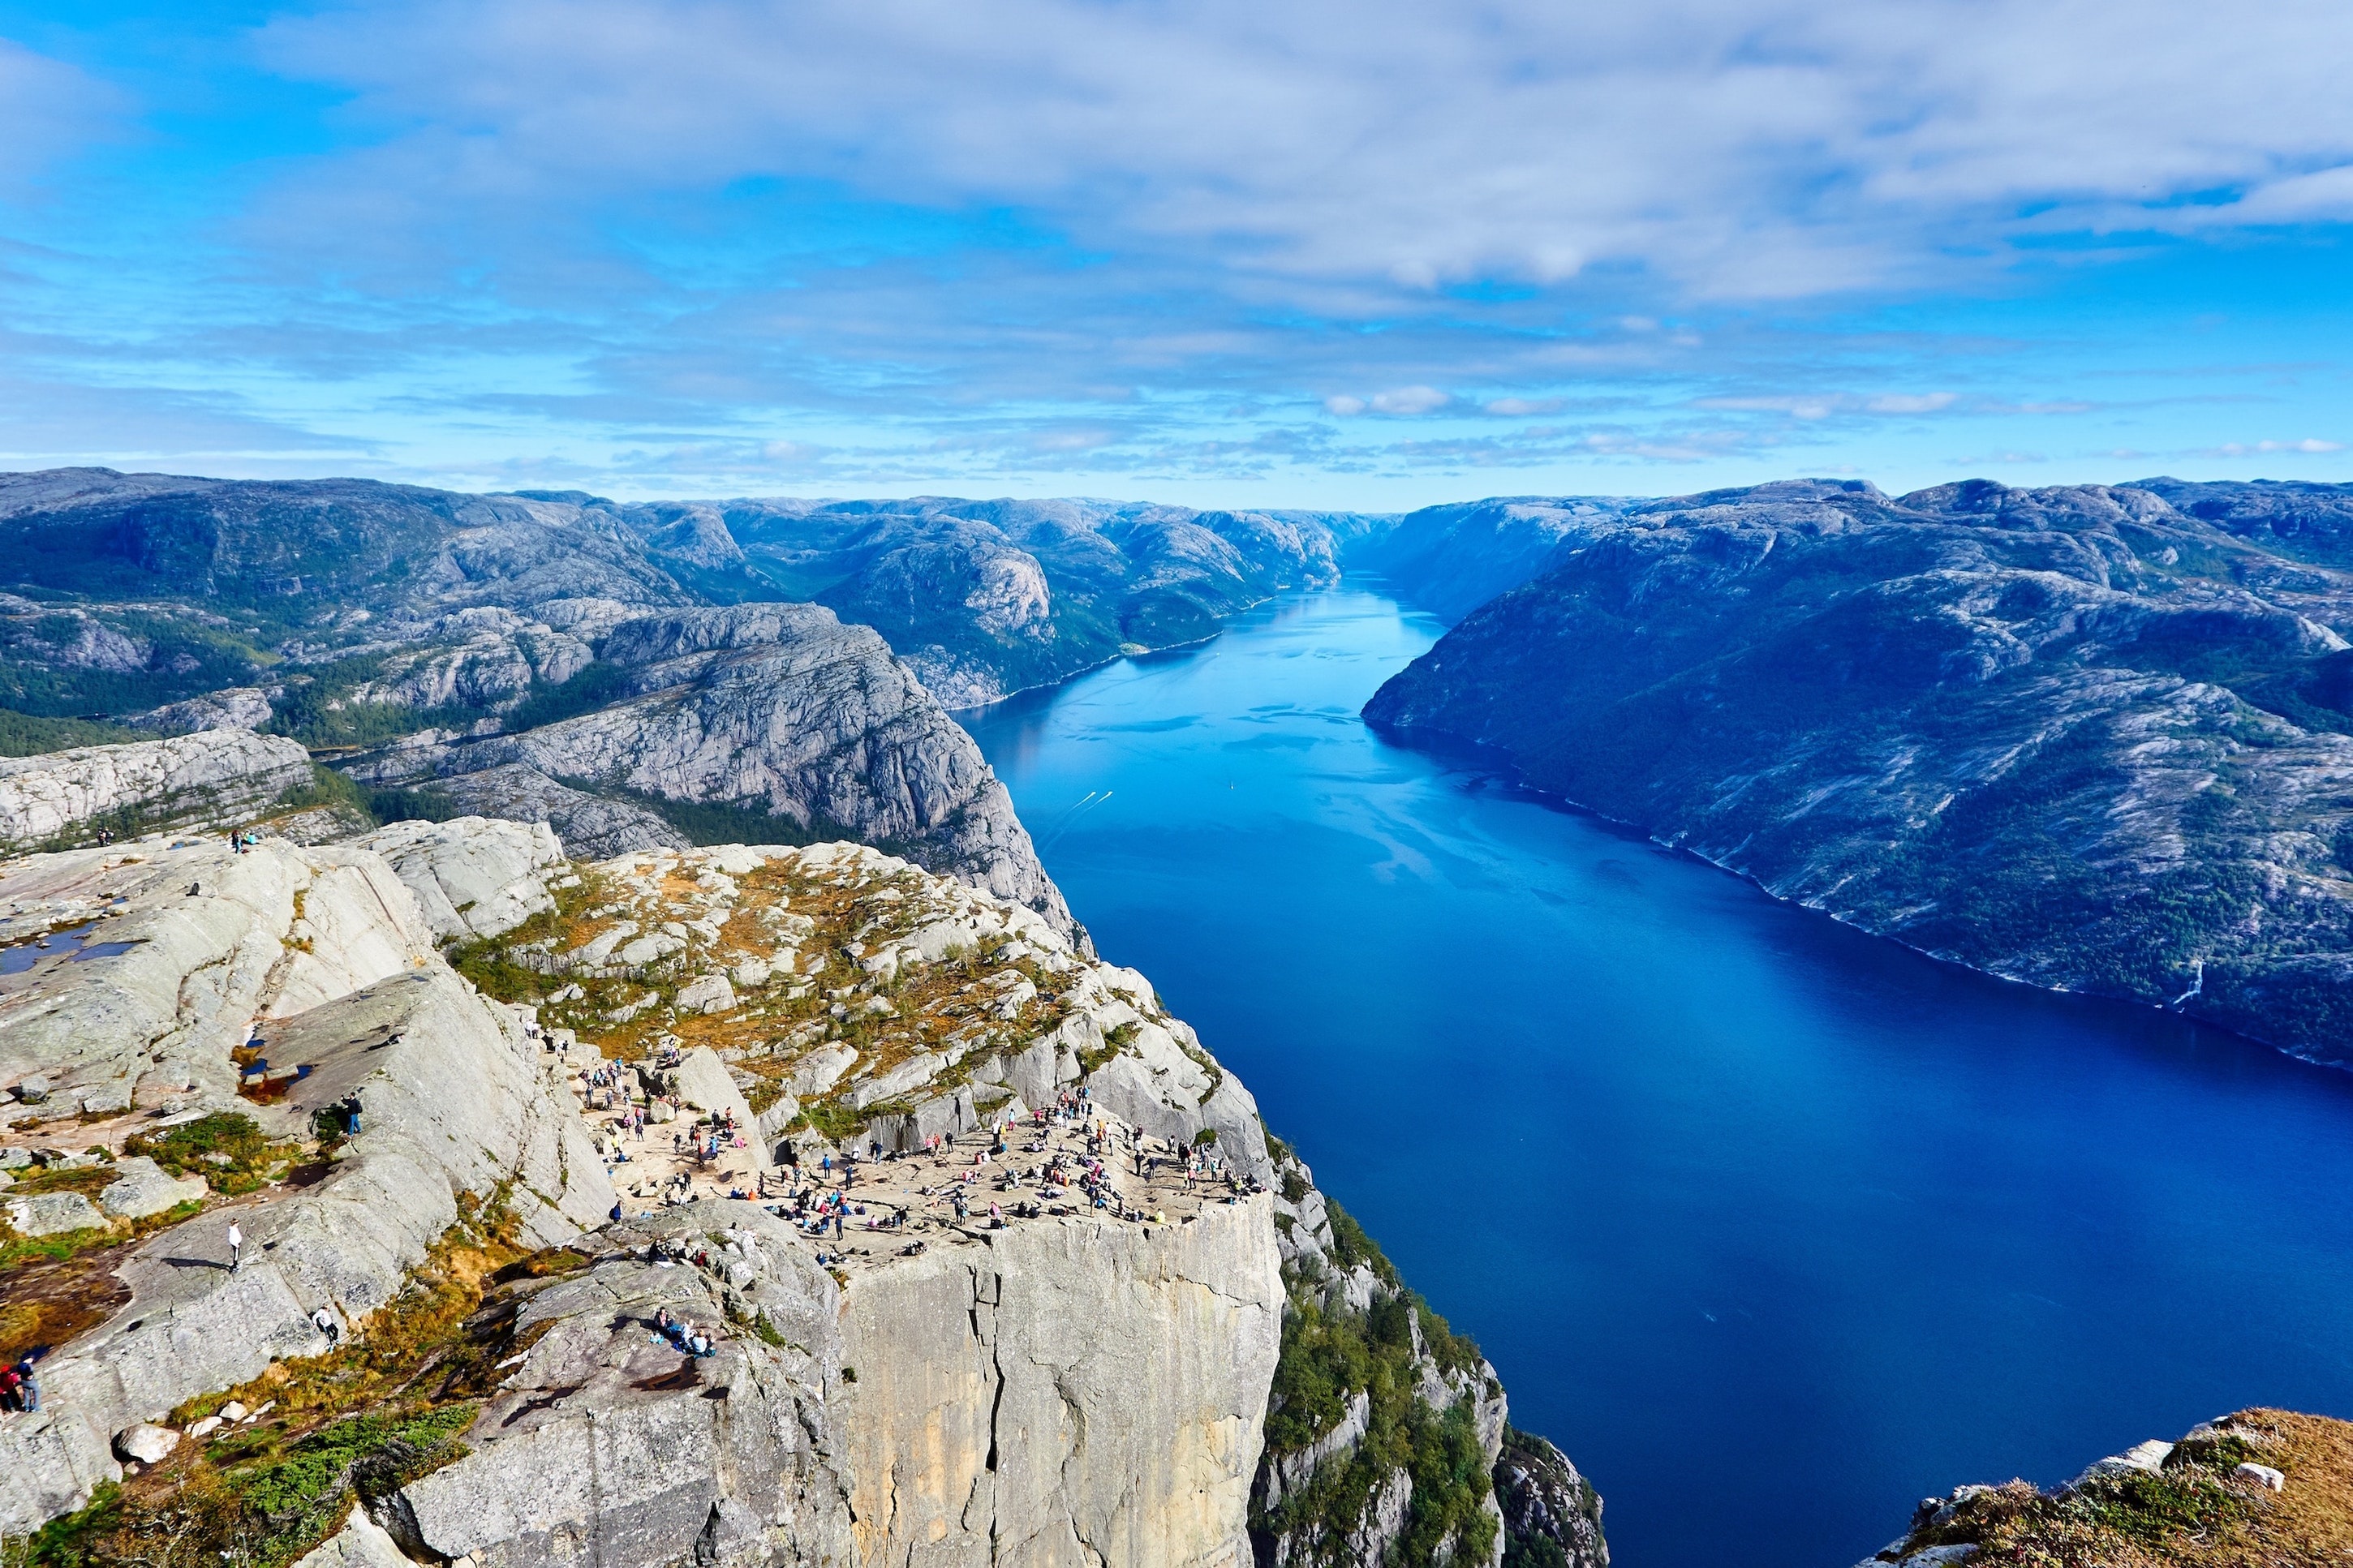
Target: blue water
(1776, 1227)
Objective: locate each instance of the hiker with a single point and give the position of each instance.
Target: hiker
(325, 1322)
(28, 1387)
(236, 1247)
(350, 1106)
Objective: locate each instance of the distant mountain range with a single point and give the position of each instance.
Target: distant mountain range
(2098, 738)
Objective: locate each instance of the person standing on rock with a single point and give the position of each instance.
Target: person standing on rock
(236, 1247)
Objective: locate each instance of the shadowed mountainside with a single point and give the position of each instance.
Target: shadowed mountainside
(2097, 738)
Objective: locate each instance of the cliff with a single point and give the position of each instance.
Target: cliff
(2266, 1487)
(2083, 738)
(1057, 1319)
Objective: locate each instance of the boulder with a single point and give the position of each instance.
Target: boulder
(53, 1214)
(2262, 1475)
(706, 994)
(141, 1188)
(702, 1081)
(145, 1442)
(361, 1543)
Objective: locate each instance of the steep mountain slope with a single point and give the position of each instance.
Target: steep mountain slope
(2080, 737)
(1452, 559)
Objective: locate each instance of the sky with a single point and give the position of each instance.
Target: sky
(1364, 256)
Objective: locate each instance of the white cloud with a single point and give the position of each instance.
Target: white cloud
(2308, 447)
(1410, 400)
(1748, 148)
(1403, 401)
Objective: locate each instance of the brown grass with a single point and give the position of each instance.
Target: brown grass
(2194, 1514)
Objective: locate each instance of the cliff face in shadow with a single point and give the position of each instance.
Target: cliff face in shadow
(2093, 738)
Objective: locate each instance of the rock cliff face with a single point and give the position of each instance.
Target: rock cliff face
(2085, 738)
(778, 711)
(1451, 559)
(217, 776)
(1060, 1289)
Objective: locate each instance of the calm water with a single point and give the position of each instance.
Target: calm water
(1775, 1227)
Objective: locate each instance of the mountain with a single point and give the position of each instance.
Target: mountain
(1128, 1329)
(984, 598)
(2095, 737)
(1451, 559)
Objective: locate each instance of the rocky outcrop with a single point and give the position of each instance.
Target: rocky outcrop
(2083, 737)
(473, 877)
(2255, 1487)
(237, 708)
(593, 827)
(324, 957)
(777, 712)
(1047, 1322)
(216, 777)
(605, 1440)
(1546, 1504)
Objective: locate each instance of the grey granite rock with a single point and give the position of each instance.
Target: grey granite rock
(590, 826)
(778, 711)
(142, 1188)
(217, 777)
(52, 1214)
(145, 1442)
(327, 953)
(234, 708)
(472, 877)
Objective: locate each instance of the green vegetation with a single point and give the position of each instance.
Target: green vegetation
(424, 804)
(29, 735)
(591, 687)
(382, 1408)
(1329, 1356)
(226, 1148)
(328, 788)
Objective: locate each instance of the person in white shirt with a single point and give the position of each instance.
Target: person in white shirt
(235, 1246)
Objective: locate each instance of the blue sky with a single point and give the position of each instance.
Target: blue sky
(1364, 255)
